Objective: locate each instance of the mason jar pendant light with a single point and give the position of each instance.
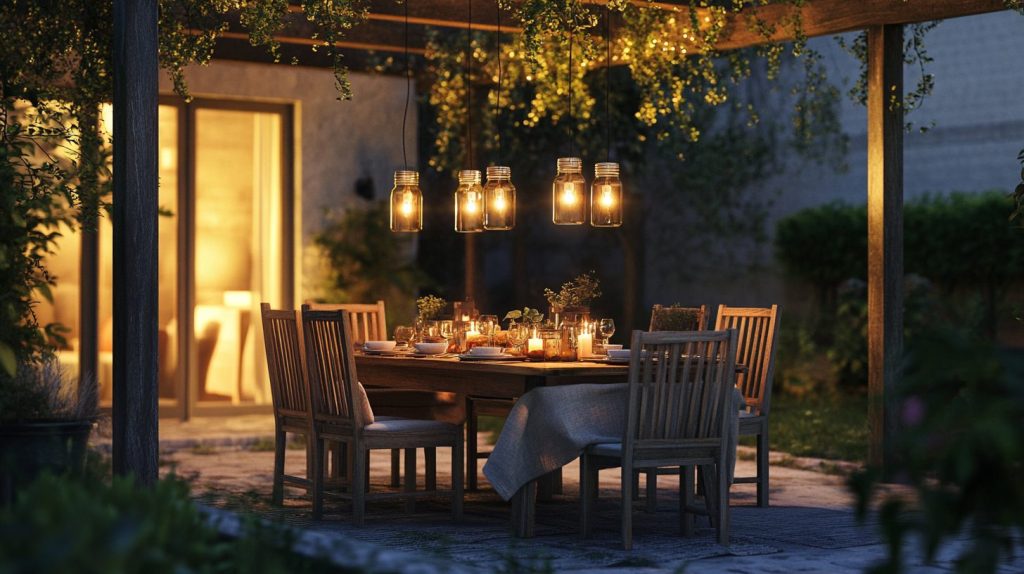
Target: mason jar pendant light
(499, 199)
(406, 196)
(606, 196)
(469, 208)
(568, 205)
(499, 193)
(606, 192)
(406, 202)
(469, 195)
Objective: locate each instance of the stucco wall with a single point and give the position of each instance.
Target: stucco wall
(337, 142)
(978, 114)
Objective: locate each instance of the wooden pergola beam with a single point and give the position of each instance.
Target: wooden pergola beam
(828, 17)
(818, 17)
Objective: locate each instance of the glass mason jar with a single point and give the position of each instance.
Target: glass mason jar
(568, 205)
(469, 202)
(606, 196)
(406, 202)
(551, 340)
(499, 199)
(567, 341)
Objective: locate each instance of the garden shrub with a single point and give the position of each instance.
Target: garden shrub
(960, 253)
(90, 526)
(961, 449)
(961, 242)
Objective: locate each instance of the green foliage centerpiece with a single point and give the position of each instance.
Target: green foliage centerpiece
(572, 301)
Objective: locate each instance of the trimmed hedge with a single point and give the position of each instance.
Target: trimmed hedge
(962, 242)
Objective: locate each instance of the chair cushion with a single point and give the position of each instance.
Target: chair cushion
(363, 404)
(395, 424)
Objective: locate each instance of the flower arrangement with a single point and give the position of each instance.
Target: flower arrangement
(527, 314)
(430, 307)
(576, 293)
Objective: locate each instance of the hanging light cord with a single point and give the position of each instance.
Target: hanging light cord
(608, 81)
(408, 83)
(469, 88)
(497, 98)
(572, 124)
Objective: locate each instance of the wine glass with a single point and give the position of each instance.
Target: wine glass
(404, 334)
(517, 335)
(606, 328)
(488, 325)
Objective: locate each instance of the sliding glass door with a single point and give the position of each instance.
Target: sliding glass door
(225, 245)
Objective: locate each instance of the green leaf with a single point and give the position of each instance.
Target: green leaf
(44, 290)
(514, 314)
(7, 359)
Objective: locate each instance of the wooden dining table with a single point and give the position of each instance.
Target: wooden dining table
(487, 379)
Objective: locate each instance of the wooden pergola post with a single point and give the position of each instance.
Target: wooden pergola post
(885, 233)
(135, 446)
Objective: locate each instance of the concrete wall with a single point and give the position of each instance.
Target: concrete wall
(978, 113)
(336, 142)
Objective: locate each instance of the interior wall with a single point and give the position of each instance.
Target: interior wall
(336, 142)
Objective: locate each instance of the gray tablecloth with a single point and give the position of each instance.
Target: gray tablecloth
(550, 426)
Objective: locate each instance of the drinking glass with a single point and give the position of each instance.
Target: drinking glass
(404, 334)
(606, 328)
(517, 335)
(488, 325)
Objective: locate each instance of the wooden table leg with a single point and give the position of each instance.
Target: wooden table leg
(524, 503)
(549, 485)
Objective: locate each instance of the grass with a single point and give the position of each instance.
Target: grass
(829, 425)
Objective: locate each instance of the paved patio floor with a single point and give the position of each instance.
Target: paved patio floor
(809, 528)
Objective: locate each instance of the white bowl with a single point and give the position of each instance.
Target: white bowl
(619, 354)
(430, 348)
(485, 351)
(379, 345)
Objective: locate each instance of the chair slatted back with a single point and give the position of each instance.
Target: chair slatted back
(757, 331)
(367, 321)
(678, 318)
(679, 387)
(331, 366)
(286, 362)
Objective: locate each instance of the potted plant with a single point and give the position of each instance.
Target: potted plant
(572, 301)
(44, 425)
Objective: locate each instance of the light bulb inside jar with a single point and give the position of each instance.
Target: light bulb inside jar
(407, 205)
(569, 194)
(500, 203)
(471, 204)
(607, 199)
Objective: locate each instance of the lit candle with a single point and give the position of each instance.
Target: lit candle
(585, 345)
(534, 345)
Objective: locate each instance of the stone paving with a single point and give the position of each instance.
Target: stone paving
(809, 528)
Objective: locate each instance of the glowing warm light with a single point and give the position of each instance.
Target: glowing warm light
(406, 202)
(569, 194)
(500, 203)
(468, 211)
(407, 206)
(607, 199)
(238, 299)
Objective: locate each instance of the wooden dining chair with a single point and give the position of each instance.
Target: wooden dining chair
(670, 318)
(289, 391)
(340, 411)
(757, 331)
(680, 397)
(676, 318)
(368, 321)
